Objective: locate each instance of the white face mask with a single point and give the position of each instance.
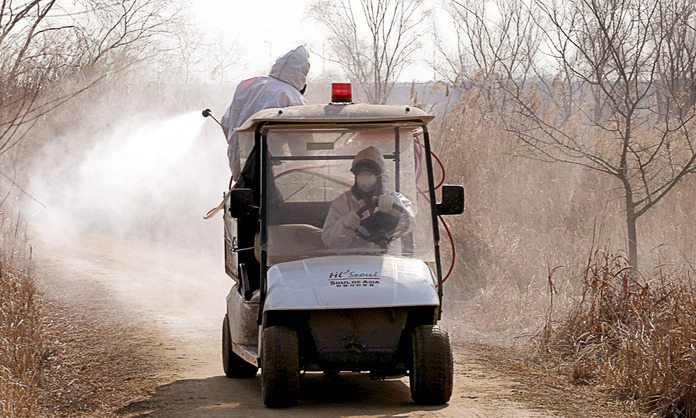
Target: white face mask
(366, 181)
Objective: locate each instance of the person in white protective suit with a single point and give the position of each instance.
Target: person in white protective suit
(283, 87)
(342, 221)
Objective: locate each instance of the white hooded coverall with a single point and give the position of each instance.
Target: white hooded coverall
(336, 235)
(280, 88)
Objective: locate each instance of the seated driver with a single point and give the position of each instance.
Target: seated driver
(342, 220)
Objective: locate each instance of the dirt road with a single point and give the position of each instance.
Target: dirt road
(177, 300)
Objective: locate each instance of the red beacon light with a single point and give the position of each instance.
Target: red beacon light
(341, 93)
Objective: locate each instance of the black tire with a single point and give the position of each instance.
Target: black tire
(234, 365)
(432, 371)
(280, 367)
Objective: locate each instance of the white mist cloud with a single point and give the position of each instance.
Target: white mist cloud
(151, 179)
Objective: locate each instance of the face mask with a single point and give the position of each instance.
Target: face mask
(366, 181)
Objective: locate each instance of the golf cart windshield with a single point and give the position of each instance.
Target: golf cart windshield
(311, 168)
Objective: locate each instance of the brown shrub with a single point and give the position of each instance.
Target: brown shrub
(637, 334)
(21, 328)
(54, 360)
(524, 218)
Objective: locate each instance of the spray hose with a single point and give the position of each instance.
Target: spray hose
(444, 224)
(209, 214)
(443, 175)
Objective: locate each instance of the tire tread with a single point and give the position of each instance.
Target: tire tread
(280, 370)
(432, 372)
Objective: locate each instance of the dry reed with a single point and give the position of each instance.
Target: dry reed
(21, 329)
(54, 360)
(636, 334)
(523, 219)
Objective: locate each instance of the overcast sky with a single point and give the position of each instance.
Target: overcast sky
(269, 28)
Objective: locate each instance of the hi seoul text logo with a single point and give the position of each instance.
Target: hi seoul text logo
(352, 278)
(351, 274)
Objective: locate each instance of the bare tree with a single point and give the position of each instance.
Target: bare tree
(493, 39)
(50, 51)
(223, 56)
(372, 42)
(194, 58)
(53, 50)
(629, 68)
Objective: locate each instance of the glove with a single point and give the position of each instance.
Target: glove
(351, 220)
(385, 202)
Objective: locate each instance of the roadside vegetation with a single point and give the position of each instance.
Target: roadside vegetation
(51, 52)
(526, 272)
(23, 332)
(633, 333)
(55, 361)
(589, 146)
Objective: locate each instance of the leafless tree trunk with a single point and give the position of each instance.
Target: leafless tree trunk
(372, 42)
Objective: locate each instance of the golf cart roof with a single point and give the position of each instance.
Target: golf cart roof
(338, 114)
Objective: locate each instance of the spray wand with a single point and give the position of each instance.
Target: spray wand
(208, 113)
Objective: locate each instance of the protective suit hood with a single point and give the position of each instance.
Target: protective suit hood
(370, 157)
(292, 67)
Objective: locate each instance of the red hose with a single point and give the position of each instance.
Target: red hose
(442, 170)
(454, 251)
(449, 233)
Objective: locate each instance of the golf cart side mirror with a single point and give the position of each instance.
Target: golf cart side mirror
(241, 201)
(452, 200)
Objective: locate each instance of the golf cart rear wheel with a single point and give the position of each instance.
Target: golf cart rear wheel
(432, 372)
(280, 367)
(234, 365)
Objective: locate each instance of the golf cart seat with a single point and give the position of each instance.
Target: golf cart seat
(289, 242)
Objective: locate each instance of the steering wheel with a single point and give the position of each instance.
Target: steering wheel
(379, 227)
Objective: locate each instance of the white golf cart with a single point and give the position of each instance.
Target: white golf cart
(298, 305)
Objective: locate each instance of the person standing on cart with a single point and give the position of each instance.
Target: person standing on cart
(284, 86)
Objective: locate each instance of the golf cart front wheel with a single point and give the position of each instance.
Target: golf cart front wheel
(234, 365)
(432, 371)
(280, 367)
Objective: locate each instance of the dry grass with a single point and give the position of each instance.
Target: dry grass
(56, 362)
(22, 332)
(544, 387)
(526, 219)
(634, 333)
(94, 367)
(522, 217)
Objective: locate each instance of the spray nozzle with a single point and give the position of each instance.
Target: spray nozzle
(208, 112)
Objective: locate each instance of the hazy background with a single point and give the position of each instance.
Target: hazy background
(131, 158)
